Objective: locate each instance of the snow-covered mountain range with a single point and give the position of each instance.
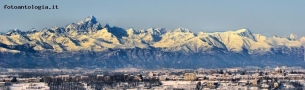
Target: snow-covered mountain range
(89, 36)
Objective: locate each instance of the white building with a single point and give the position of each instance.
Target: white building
(30, 86)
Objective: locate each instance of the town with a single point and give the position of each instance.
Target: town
(278, 78)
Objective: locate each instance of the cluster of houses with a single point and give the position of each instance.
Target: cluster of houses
(169, 79)
(233, 79)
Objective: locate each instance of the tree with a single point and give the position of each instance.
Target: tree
(198, 86)
(243, 73)
(14, 79)
(41, 80)
(221, 72)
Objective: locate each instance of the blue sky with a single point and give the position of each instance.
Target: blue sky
(277, 17)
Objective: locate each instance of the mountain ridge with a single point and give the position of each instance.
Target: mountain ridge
(88, 36)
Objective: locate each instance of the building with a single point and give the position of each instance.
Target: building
(151, 75)
(30, 86)
(190, 76)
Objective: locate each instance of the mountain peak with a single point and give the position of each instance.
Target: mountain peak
(33, 29)
(89, 19)
(157, 31)
(88, 24)
(293, 36)
(17, 30)
(243, 30)
(90, 16)
(13, 32)
(246, 33)
(181, 30)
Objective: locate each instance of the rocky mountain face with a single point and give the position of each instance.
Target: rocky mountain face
(87, 43)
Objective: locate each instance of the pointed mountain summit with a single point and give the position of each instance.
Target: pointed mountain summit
(89, 24)
(293, 36)
(89, 19)
(157, 31)
(181, 30)
(14, 32)
(246, 33)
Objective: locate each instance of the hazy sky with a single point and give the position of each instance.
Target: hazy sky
(268, 17)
